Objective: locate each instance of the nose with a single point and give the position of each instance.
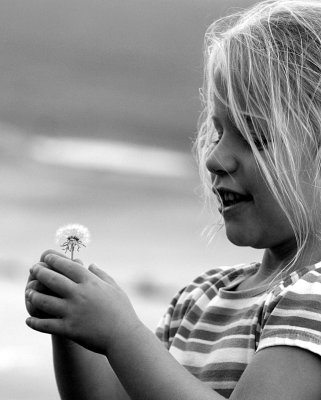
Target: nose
(221, 160)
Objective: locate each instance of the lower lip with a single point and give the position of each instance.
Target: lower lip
(237, 207)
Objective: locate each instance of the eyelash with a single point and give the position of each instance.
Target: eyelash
(256, 141)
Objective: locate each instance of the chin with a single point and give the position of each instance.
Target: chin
(241, 239)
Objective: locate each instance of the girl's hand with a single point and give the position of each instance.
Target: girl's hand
(86, 306)
(34, 284)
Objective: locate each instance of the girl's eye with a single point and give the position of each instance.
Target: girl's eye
(217, 140)
(260, 144)
(218, 134)
(218, 137)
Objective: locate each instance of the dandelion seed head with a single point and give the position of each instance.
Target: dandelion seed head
(75, 231)
(72, 236)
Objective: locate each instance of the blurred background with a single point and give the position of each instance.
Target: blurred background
(99, 103)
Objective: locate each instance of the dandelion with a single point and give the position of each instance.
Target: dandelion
(71, 237)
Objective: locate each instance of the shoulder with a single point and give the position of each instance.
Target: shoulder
(299, 285)
(292, 312)
(219, 277)
(210, 282)
(282, 372)
(287, 362)
(202, 289)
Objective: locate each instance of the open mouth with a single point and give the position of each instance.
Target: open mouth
(229, 198)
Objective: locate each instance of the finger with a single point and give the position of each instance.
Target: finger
(79, 261)
(34, 312)
(36, 285)
(51, 251)
(54, 281)
(55, 326)
(39, 287)
(45, 253)
(31, 277)
(101, 274)
(67, 267)
(48, 304)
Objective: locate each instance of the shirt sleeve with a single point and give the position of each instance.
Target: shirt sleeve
(165, 330)
(293, 318)
(184, 300)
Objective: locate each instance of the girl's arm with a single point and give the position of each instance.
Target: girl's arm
(93, 311)
(280, 372)
(82, 374)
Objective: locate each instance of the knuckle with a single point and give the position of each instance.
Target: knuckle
(45, 325)
(31, 285)
(68, 327)
(43, 264)
(45, 253)
(43, 302)
(51, 280)
(36, 268)
(39, 287)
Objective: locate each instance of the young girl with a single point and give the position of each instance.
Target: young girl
(251, 331)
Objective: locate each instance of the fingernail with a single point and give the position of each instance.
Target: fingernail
(28, 294)
(48, 258)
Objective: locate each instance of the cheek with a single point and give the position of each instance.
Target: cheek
(273, 220)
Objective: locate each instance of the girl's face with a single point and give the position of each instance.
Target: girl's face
(251, 213)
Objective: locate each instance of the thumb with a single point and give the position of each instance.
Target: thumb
(100, 273)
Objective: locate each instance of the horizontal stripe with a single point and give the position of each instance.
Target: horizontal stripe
(296, 321)
(230, 341)
(220, 317)
(196, 359)
(298, 312)
(309, 345)
(279, 330)
(211, 336)
(205, 348)
(224, 378)
(297, 303)
(215, 333)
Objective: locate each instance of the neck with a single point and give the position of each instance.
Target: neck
(278, 258)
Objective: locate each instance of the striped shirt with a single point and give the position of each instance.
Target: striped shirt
(214, 331)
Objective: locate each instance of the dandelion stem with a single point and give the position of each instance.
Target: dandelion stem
(72, 251)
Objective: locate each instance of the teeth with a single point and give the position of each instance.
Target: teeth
(231, 196)
(228, 197)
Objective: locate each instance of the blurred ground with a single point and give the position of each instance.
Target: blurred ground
(98, 107)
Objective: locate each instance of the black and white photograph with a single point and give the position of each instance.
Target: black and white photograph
(160, 199)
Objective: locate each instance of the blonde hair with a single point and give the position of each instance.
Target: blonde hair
(268, 58)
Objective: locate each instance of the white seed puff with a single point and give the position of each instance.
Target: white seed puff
(72, 236)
